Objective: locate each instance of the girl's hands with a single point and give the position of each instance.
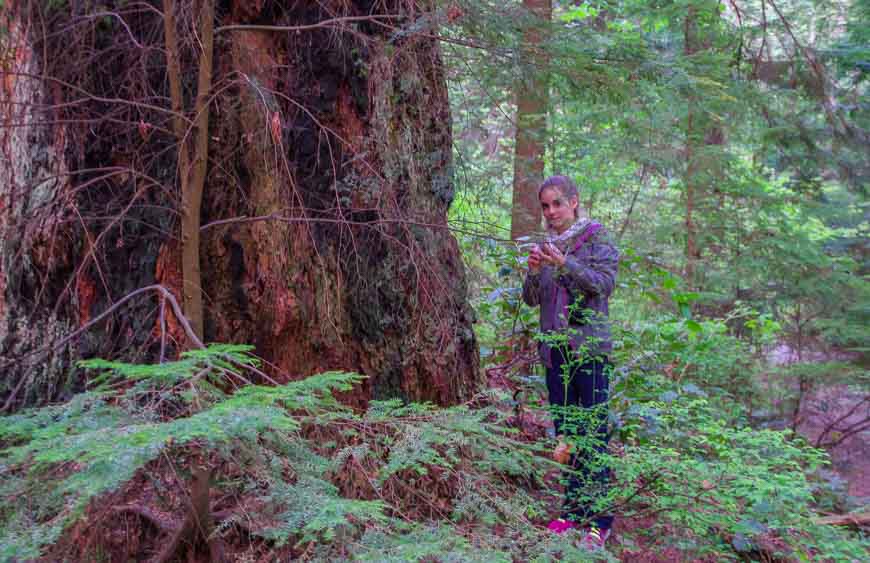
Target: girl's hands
(552, 255)
(545, 254)
(535, 258)
(562, 453)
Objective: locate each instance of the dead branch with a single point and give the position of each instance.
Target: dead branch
(832, 427)
(857, 519)
(332, 22)
(92, 97)
(278, 217)
(848, 432)
(165, 293)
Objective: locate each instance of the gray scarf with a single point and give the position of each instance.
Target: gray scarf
(562, 242)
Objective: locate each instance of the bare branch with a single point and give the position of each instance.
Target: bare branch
(333, 22)
(165, 293)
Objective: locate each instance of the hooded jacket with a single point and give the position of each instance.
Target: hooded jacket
(574, 298)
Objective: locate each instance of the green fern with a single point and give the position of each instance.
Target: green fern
(311, 509)
(105, 439)
(291, 444)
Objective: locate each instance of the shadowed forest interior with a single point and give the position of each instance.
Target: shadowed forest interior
(287, 280)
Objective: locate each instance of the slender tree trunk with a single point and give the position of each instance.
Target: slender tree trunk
(692, 253)
(192, 201)
(192, 175)
(692, 45)
(325, 188)
(531, 124)
(702, 133)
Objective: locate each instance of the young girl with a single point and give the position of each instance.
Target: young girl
(571, 277)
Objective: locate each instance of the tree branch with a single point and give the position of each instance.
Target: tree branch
(167, 295)
(333, 22)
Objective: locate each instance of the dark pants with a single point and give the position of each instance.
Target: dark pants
(582, 385)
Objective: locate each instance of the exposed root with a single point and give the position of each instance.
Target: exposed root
(197, 526)
(160, 520)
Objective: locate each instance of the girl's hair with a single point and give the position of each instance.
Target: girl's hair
(565, 186)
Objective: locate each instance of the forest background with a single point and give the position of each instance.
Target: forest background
(382, 158)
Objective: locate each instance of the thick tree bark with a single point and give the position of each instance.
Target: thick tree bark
(323, 230)
(34, 195)
(533, 99)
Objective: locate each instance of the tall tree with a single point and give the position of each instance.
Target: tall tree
(703, 131)
(532, 93)
(324, 192)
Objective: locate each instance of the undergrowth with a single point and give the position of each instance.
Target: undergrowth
(310, 478)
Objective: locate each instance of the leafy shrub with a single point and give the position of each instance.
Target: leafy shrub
(63, 456)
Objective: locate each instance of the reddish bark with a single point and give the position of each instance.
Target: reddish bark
(339, 135)
(35, 214)
(531, 126)
(168, 274)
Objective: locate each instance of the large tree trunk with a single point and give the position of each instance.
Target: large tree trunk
(35, 213)
(323, 238)
(533, 98)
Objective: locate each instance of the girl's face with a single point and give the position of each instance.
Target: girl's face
(558, 211)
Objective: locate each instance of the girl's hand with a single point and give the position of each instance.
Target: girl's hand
(562, 453)
(552, 255)
(535, 258)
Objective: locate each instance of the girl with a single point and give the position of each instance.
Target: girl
(571, 277)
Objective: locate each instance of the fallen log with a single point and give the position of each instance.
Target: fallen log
(856, 519)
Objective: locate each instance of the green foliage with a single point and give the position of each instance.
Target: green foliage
(722, 484)
(64, 457)
(780, 222)
(312, 509)
(715, 483)
(453, 439)
(704, 474)
(68, 454)
(681, 403)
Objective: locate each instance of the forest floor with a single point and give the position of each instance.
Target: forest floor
(126, 523)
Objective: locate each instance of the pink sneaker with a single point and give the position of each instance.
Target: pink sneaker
(594, 539)
(560, 526)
